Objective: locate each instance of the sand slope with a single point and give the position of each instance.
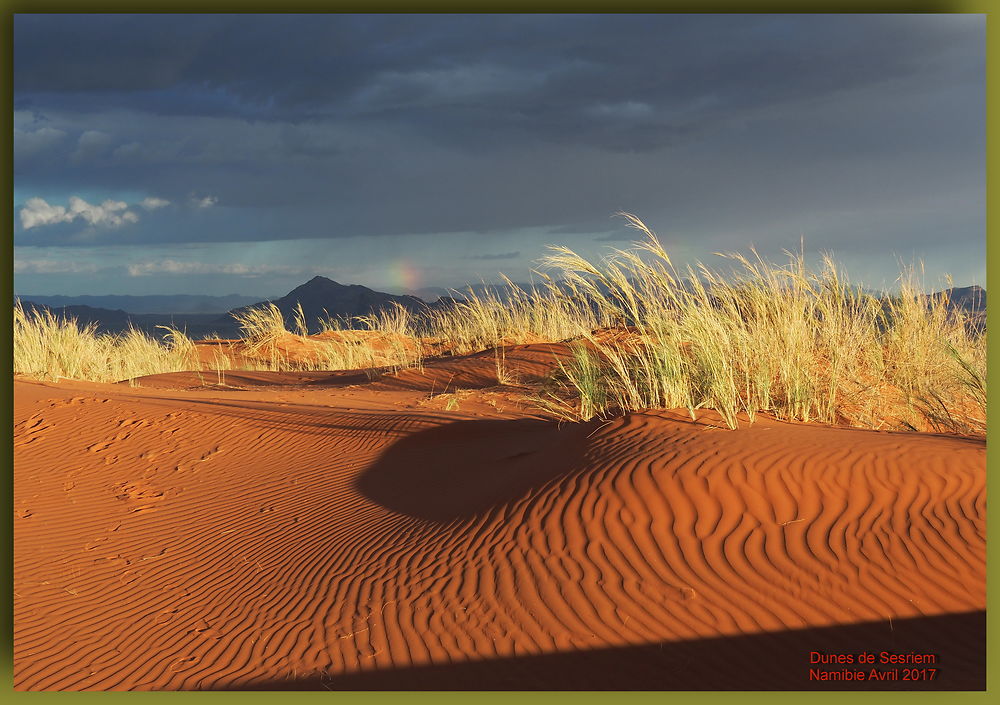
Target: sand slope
(291, 533)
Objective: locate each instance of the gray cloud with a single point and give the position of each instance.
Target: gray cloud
(504, 255)
(172, 266)
(30, 143)
(91, 145)
(864, 134)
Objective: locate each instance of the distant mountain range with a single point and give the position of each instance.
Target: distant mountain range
(320, 297)
(204, 303)
(156, 303)
(971, 299)
(117, 320)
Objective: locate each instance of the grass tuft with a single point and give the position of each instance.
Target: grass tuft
(53, 347)
(798, 343)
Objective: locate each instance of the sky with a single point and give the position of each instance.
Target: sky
(214, 154)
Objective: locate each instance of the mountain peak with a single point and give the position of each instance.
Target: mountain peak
(320, 280)
(321, 297)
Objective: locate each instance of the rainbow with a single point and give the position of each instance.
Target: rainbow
(405, 274)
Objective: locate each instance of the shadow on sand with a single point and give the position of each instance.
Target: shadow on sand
(770, 661)
(465, 468)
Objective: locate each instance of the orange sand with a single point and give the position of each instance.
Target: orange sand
(303, 348)
(317, 530)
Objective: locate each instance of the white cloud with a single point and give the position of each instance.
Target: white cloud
(206, 202)
(37, 212)
(171, 266)
(53, 266)
(112, 214)
(151, 203)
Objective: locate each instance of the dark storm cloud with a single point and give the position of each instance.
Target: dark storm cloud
(283, 66)
(570, 77)
(715, 126)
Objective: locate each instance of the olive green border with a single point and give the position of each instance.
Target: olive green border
(6, 275)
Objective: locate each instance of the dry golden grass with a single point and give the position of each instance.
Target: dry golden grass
(50, 347)
(480, 321)
(382, 340)
(799, 343)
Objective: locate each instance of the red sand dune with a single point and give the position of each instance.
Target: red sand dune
(310, 530)
(301, 348)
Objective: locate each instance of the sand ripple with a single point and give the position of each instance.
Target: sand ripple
(191, 540)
